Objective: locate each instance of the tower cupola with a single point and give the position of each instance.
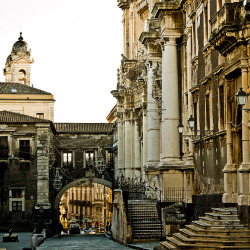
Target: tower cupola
(18, 63)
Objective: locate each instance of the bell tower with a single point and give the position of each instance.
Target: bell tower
(18, 63)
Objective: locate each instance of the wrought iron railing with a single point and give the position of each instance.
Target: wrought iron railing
(176, 194)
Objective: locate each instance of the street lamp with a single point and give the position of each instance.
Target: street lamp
(241, 96)
(191, 121)
(180, 128)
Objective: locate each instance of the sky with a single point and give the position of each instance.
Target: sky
(76, 46)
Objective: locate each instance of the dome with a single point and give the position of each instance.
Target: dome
(20, 45)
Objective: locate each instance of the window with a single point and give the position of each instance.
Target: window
(195, 117)
(22, 76)
(16, 193)
(205, 25)
(221, 102)
(40, 115)
(16, 206)
(90, 156)
(67, 159)
(207, 113)
(111, 159)
(4, 147)
(24, 149)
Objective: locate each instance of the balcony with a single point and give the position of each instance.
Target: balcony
(225, 26)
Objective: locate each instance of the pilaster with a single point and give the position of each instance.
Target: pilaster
(230, 172)
(244, 169)
(128, 145)
(153, 121)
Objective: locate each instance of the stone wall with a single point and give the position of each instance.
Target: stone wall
(121, 229)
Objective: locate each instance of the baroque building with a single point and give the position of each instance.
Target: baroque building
(183, 64)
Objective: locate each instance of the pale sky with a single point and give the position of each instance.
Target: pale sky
(76, 46)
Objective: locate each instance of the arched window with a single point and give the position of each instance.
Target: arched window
(22, 76)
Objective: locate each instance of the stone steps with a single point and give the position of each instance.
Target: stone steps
(220, 229)
(144, 219)
(219, 222)
(222, 216)
(225, 232)
(230, 237)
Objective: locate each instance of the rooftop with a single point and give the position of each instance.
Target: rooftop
(85, 128)
(12, 117)
(19, 88)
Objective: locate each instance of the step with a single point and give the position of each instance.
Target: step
(175, 242)
(189, 234)
(146, 235)
(209, 241)
(225, 211)
(167, 245)
(230, 232)
(205, 225)
(222, 216)
(219, 222)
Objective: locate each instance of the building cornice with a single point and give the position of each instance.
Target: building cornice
(148, 37)
(163, 6)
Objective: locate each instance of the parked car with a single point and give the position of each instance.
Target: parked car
(74, 229)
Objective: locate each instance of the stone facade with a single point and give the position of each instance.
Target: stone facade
(185, 59)
(25, 169)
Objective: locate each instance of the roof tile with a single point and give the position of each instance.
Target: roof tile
(19, 88)
(84, 128)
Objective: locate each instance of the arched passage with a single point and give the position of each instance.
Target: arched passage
(77, 182)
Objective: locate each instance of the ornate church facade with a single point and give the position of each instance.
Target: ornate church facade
(179, 124)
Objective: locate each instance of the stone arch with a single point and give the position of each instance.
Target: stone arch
(77, 182)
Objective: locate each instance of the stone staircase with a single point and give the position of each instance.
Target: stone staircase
(144, 220)
(220, 229)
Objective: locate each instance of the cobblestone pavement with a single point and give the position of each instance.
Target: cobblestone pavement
(81, 242)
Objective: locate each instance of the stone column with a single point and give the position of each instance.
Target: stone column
(170, 98)
(127, 146)
(190, 158)
(145, 143)
(137, 153)
(120, 167)
(230, 177)
(244, 170)
(153, 123)
(42, 167)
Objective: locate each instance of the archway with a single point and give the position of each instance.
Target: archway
(75, 183)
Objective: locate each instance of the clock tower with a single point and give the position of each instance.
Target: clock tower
(18, 63)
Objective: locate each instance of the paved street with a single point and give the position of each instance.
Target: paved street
(24, 240)
(80, 242)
